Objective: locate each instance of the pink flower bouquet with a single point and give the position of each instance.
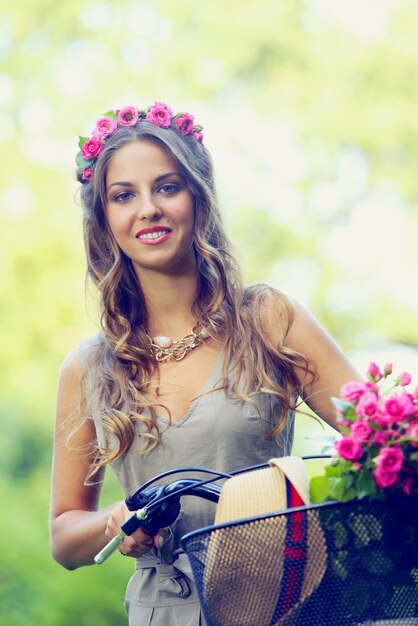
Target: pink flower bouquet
(378, 449)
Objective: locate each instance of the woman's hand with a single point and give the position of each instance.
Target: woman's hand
(137, 544)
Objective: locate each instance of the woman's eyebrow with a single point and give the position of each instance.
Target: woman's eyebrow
(168, 175)
(121, 183)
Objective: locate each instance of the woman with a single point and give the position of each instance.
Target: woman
(137, 397)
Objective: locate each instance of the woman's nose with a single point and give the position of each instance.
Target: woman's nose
(148, 210)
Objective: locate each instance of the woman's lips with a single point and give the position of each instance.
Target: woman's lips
(153, 236)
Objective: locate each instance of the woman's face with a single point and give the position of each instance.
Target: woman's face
(150, 209)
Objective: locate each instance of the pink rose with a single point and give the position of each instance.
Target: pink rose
(390, 459)
(352, 390)
(397, 407)
(380, 439)
(128, 116)
(361, 431)
(197, 133)
(371, 386)
(349, 449)
(105, 126)
(387, 370)
(404, 379)
(374, 372)
(160, 115)
(184, 123)
(198, 136)
(92, 148)
(385, 479)
(380, 419)
(87, 173)
(368, 405)
(392, 434)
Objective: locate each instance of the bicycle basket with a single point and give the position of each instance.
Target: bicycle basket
(268, 570)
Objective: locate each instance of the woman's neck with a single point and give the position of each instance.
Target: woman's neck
(169, 301)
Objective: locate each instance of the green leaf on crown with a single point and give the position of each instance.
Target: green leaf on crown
(111, 114)
(82, 141)
(81, 161)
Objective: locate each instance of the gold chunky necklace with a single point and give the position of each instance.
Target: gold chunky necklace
(162, 348)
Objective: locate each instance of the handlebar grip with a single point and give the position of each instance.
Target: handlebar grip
(109, 548)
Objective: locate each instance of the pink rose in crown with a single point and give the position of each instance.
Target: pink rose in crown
(160, 114)
(184, 123)
(87, 173)
(92, 148)
(128, 116)
(105, 126)
(197, 132)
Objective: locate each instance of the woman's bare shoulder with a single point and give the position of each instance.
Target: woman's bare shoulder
(73, 365)
(277, 311)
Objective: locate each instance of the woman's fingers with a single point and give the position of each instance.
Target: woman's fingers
(114, 521)
(137, 544)
(160, 537)
(136, 547)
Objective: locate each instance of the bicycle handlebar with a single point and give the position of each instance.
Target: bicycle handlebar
(159, 506)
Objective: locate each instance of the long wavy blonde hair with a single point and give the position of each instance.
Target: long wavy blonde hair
(124, 374)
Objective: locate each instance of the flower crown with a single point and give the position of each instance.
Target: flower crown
(159, 114)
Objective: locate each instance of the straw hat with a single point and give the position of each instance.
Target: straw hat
(258, 572)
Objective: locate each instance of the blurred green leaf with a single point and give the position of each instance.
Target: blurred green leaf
(319, 489)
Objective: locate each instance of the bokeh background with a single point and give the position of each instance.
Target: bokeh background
(310, 112)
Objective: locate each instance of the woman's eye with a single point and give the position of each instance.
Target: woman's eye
(122, 197)
(168, 188)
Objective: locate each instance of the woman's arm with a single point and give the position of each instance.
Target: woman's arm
(324, 358)
(78, 529)
(331, 367)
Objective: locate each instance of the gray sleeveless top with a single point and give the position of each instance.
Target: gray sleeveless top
(217, 433)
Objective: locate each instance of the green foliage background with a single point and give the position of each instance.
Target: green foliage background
(309, 109)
